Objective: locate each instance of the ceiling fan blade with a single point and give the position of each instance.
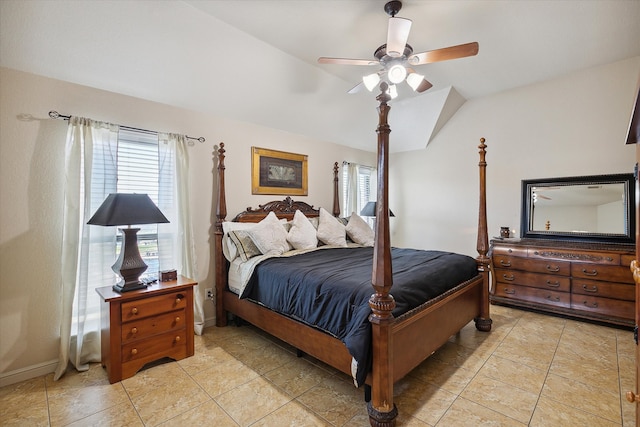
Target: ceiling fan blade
(444, 54)
(357, 88)
(397, 35)
(424, 85)
(346, 61)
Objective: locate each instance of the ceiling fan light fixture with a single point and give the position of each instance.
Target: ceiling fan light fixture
(371, 81)
(415, 80)
(392, 91)
(397, 73)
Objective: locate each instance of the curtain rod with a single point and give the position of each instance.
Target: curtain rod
(56, 115)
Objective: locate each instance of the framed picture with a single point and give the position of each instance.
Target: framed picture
(278, 172)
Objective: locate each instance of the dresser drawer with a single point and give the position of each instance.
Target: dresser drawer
(623, 291)
(149, 326)
(534, 295)
(605, 258)
(604, 306)
(524, 278)
(609, 273)
(510, 251)
(537, 266)
(154, 305)
(159, 344)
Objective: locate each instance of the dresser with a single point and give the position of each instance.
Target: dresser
(142, 326)
(584, 280)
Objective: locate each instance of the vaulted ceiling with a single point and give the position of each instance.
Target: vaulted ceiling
(256, 60)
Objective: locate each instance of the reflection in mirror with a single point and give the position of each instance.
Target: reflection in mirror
(584, 208)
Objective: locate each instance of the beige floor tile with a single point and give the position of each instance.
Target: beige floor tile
(205, 414)
(156, 377)
(297, 376)
(204, 359)
(598, 372)
(24, 403)
(266, 359)
(501, 397)
(78, 403)
(335, 400)
(252, 401)
(550, 413)
(123, 415)
(521, 376)
(293, 414)
(448, 377)
(465, 413)
(423, 401)
(526, 351)
(459, 356)
(581, 396)
(223, 377)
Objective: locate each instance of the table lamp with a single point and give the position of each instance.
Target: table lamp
(128, 209)
(370, 210)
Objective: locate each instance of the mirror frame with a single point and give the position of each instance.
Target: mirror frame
(630, 224)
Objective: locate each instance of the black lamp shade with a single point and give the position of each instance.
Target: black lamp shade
(370, 210)
(127, 209)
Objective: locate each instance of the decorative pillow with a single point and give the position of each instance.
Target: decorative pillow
(269, 235)
(330, 230)
(244, 244)
(302, 234)
(359, 231)
(229, 247)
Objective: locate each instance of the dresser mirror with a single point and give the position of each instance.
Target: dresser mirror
(599, 208)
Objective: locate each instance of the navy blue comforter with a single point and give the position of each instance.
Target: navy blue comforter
(330, 289)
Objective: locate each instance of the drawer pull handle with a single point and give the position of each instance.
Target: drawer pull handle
(179, 298)
(177, 319)
(134, 351)
(553, 284)
(509, 291)
(134, 310)
(505, 263)
(593, 304)
(632, 397)
(177, 339)
(134, 330)
(552, 298)
(510, 278)
(593, 272)
(553, 269)
(593, 289)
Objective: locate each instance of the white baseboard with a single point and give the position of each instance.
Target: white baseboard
(23, 374)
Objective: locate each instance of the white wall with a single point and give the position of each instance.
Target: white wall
(575, 125)
(31, 177)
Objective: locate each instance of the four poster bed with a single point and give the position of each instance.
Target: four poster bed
(387, 334)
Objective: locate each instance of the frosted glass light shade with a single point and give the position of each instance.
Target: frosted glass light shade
(397, 73)
(370, 81)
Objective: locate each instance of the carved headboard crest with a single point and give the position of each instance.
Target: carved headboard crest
(282, 208)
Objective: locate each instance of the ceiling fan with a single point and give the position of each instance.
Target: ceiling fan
(396, 57)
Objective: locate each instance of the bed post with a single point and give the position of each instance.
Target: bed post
(382, 410)
(219, 260)
(336, 199)
(483, 322)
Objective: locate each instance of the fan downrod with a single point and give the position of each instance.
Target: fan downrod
(393, 7)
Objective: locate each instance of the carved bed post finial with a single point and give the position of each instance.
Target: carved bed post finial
(336, 200)
(382, 410)
(483, 322)
(220, 264)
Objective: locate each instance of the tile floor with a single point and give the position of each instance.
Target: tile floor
(531, 370)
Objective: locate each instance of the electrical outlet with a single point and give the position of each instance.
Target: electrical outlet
(209, 293)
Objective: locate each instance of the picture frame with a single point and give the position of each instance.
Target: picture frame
(278, 172)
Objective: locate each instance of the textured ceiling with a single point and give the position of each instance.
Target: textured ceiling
(255, 60)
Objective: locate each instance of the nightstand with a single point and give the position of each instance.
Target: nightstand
(142, 326)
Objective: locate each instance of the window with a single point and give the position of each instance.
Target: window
(358, 191)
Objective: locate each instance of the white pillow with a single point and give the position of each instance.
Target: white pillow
(359, 231)
(229, 248)
(330, 230)
(302, 234)
(269, 235)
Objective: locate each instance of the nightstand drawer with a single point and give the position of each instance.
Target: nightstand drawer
(149, 326)
(622, 291)
(154, 305)
(159, 344)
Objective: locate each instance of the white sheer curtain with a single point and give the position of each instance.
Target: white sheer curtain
(352, 189)
(175, 240)
(87, 251)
